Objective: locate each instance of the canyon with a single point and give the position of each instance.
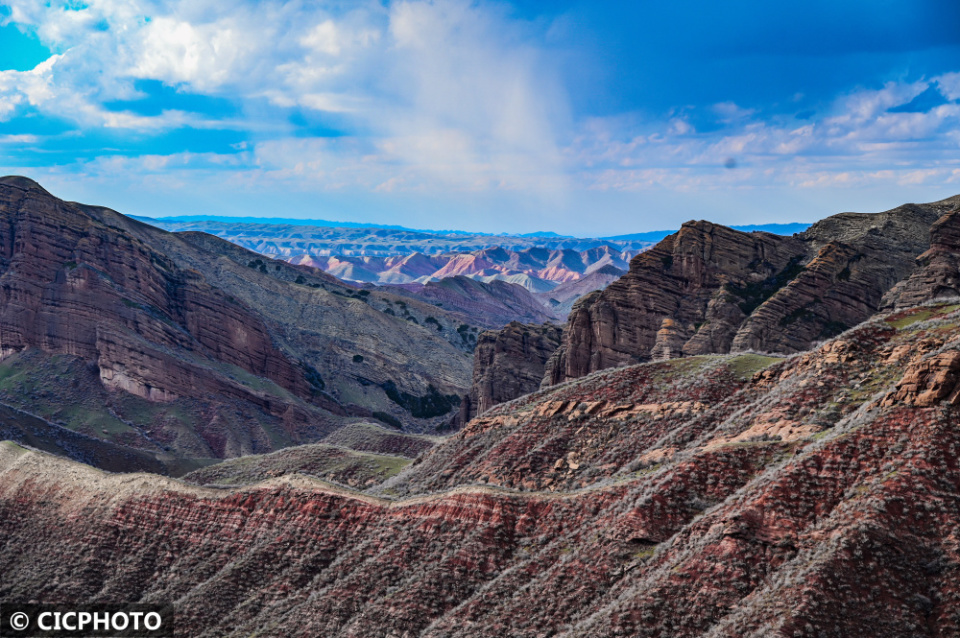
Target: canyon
(744, 435)
(718, 495)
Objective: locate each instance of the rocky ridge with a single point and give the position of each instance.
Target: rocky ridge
(711, 289)
(224, 352)
(724, 495)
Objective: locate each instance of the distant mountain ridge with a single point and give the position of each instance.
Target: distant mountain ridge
(170, 223)
(537, 269)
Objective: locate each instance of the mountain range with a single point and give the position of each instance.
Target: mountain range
(740, 495)
(745, 434)
(188, 347)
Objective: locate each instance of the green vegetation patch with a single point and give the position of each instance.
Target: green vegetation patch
(424, 406)
(903, 320)
(746, 365)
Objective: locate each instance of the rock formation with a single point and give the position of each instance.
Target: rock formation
(711, 289)
(700, 278)
(734, 496)
(248, 354)
(507, 364)
(938, 272)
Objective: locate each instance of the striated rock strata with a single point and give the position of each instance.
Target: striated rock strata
(507, 364)
(725, 496)
(938, 272)
(711, 289)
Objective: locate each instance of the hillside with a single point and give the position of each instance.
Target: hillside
(712, 496)
(491, 305)
(189, 346)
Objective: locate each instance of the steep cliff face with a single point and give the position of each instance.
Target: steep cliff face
(938, 269)
(507, 364)
(710, 289)
(705, 279)
(732, 496)
(72, 283)
(250, 355)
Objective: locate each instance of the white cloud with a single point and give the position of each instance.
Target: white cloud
(451, 96)
(452, 91)
(949, 85)
(859, 142)
(204, 57)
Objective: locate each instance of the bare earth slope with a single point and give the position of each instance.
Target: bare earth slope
(712, 496)
(491, 305)
(188, 344)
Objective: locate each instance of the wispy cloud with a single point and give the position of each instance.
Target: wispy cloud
(446, 91)
(443, 100)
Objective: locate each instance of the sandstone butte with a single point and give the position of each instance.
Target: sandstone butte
(711, 289)
(812, 493)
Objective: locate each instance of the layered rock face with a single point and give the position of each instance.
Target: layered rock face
(507, 364)
(684, 278)
(249, 355)
(725, 496)
(938, 269)
(712, 289)
(73, 284)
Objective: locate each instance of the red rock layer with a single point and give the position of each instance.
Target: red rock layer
(819, 496)
(72, 283)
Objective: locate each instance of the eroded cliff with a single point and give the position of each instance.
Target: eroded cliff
(710, 289)
(507, 364)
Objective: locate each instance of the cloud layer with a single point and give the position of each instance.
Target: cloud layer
(415, 108)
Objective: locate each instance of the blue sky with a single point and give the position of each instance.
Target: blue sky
(586, 118)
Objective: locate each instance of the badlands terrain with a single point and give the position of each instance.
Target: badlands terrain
(746, 434)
